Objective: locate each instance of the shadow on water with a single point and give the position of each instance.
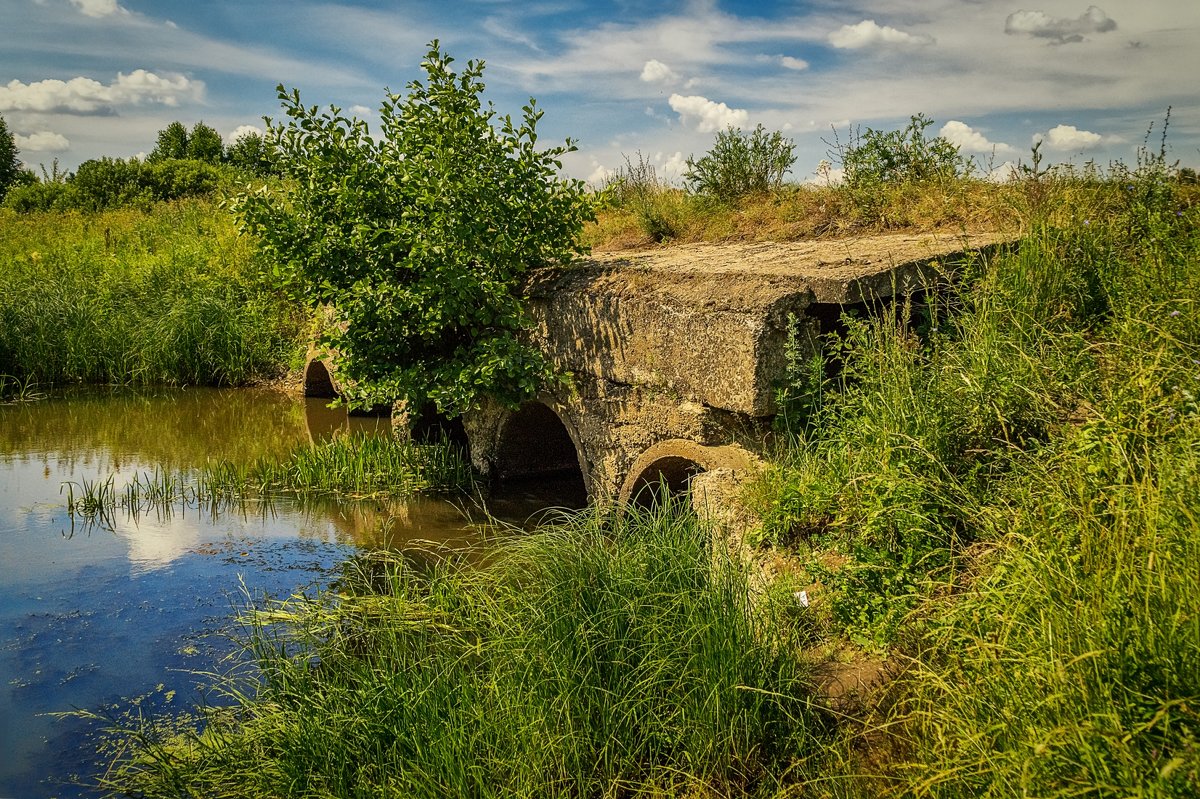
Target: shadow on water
(91, 616)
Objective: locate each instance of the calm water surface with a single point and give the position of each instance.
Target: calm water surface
(91, 617)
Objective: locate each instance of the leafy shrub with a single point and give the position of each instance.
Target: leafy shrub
(878, 160)
(419, 238)
(10, 166)
(40, 197)
(741, 163)
(110, 182)
(901, 156)
(176, 179)
(252, 153)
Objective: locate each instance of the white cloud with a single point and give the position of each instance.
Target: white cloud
(360, 111)
(656, 71)
(42, 141)
(826, 174)
(971, 140)
(87, 96)
(98, 8)
(868, 34)
(242, 130)
(705, 115)
(790, 62)
(1060, 30)
(673, 166)
(1068, 137)
(1003, 173)
(600, 174)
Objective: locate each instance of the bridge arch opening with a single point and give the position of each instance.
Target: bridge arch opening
(428, 426)
(669, 467)
(318, 382)
(667, 479)
(534, 445)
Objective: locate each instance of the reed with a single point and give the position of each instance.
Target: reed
(354, 467)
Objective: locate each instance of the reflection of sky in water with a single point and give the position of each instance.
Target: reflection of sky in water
(89, 616)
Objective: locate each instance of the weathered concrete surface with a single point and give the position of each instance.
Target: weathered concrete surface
(708, 323)
(674, 354)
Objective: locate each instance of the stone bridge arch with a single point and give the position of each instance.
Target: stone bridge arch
(539, 438)
(675, 356)
(669, 466)
(319, 378)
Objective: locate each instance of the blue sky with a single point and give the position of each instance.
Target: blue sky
(85, 78)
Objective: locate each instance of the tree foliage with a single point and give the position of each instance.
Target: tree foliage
(10, 165)
(901, 156)
(176, 142)
(741, 163)
(252, 153)
(418, 239)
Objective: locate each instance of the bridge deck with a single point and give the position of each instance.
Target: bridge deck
(708, 322)
(837, 271)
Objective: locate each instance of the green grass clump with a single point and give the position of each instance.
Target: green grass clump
(1072, 665)
(608, 655)
(171, 294)
(355, 467)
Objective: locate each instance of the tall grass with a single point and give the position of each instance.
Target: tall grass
(1004, 495)
(167, 295)
(609, 655)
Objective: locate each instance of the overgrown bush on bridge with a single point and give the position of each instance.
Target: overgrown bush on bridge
(419, 238)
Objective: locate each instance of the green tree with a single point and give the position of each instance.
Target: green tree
(205, 144)
(419, 239)
(252, 153)
(10, 165)
(741, 163)
(172, 143)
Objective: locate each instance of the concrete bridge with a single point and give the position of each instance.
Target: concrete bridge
(675, 354)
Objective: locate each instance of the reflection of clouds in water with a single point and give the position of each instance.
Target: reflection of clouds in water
(156, 543)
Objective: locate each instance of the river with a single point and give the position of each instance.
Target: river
(120, 617)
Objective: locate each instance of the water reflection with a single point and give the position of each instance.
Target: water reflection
(89, 615)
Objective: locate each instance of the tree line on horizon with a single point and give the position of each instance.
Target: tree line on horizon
(184, 163)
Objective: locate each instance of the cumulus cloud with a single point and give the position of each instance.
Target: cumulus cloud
(868, 34)
(656, 71)
(1059, 30)
(1068, 137)
(360, 111)
(971, 140)
(87, 96)
(42, 141)
(600, 174)
(98, 8)
(673, 166)
(243, 130)
(705, 115)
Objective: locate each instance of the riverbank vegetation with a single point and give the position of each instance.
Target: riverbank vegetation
(170, 294)
(351, 467)
(995, 492)
(609, 654)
